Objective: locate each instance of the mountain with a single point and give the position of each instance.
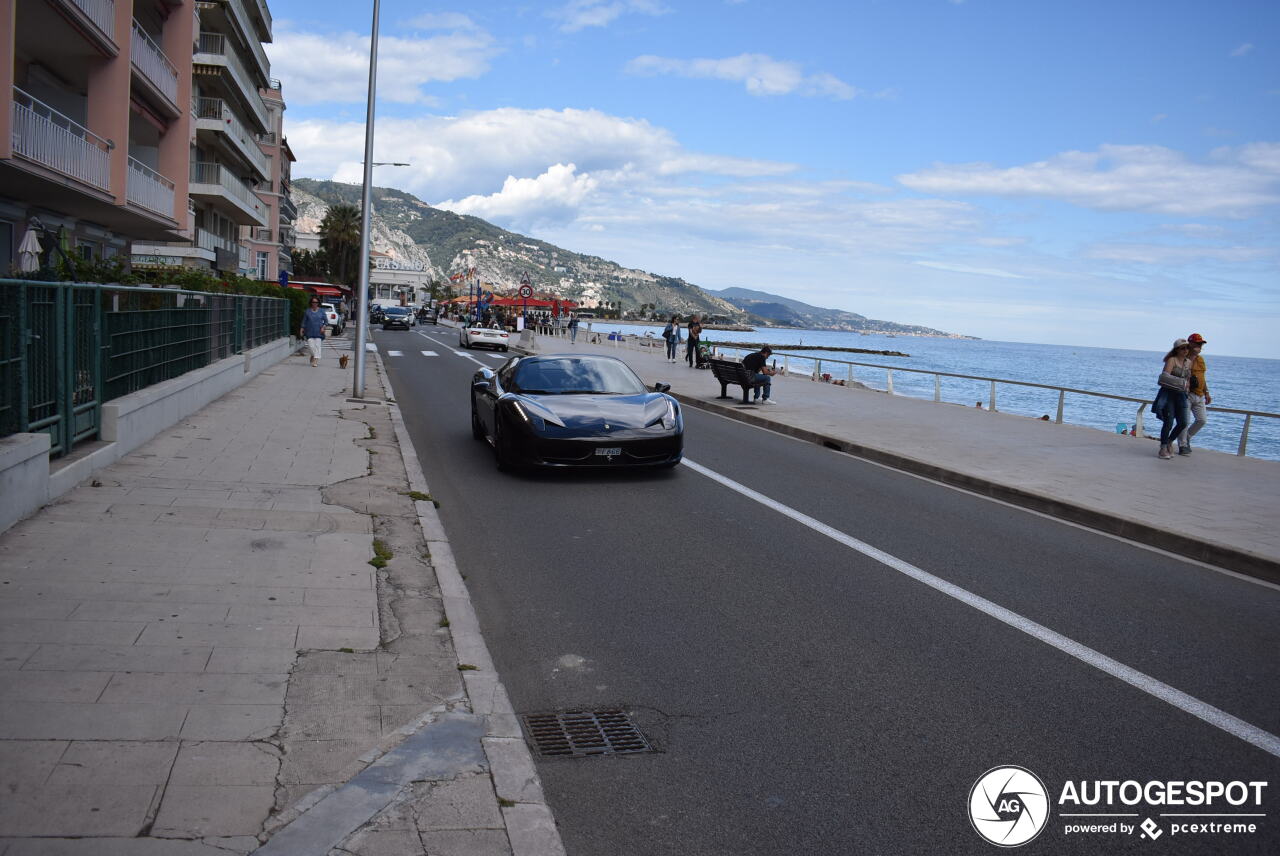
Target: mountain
(784, 312)
(445, 243)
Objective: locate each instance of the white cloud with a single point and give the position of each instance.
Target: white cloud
(1234, 183)
(555, 195)
(955, 268)
(761, 74)
(1243, 49)
(1163, 254)
(580, 14)
(317, 68)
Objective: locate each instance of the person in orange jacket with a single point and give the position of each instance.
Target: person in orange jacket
(1197, 397)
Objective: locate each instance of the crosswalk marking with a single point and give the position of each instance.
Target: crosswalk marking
(430, 354)
(395, 353)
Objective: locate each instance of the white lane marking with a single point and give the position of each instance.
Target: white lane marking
(430, 354)
(1264, 740)
(370, 346)
(496, 356)
(395, 353)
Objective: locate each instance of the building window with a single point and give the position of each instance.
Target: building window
(7, 258)
(88, 250)
(262, 265)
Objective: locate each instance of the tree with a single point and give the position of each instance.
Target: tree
(340, 241)
(310, 265)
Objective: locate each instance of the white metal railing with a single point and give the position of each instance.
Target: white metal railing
(240, 14)
(642, 343)
(149, 188)
(213, 47)
(217, 174)
(230, 124)
(45, 136)
(102, 13)
(153, 64)
(207, 240)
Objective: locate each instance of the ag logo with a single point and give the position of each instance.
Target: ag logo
(1008, 806)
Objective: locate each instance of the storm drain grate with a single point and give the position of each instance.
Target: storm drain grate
(575, 733)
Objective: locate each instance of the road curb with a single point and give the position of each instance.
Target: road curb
(1209, 552)
(531, 827)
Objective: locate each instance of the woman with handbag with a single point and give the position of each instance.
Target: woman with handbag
(1170, 406)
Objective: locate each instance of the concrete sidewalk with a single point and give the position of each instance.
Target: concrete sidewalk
(1214, 507)
(197, 655)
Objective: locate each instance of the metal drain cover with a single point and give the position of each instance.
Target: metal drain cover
(575, 733)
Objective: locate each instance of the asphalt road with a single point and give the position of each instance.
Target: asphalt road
(805, 697)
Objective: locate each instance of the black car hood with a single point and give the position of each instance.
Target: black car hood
(594, 412)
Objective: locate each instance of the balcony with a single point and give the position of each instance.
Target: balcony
(207, 240)
(288, 236)
(155, 69)
(288, 211)
(45, 136)
(234, 16)
(217, 185)
(214, 52)
(149, 189)
(102, 15)
(215, 115)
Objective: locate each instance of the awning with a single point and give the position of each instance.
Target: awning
(325, 290)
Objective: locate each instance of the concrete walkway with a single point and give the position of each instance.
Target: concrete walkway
(1211, 506)
(197, 655)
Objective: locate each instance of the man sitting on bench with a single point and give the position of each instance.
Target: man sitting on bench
(761, 374)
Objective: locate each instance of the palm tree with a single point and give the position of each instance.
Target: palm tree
(340, 240)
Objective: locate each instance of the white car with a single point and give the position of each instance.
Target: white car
(476, 336)
(334, 319)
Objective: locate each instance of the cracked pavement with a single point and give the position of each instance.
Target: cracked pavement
(196, 655)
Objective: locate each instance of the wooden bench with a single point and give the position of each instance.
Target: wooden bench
(727, 372)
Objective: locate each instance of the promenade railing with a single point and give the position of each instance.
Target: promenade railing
(67, 348)
(632, 341)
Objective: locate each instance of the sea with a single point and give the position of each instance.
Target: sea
(1239, 383)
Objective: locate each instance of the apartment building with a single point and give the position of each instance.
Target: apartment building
(144, 127)
(94, 130)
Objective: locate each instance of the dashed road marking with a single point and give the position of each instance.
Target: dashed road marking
(430, 354)
(395, 353)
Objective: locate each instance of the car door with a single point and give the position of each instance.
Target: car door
(485, 394)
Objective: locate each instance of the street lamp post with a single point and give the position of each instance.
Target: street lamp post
(362, 323)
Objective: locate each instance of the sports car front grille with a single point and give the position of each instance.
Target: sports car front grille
(584, 451)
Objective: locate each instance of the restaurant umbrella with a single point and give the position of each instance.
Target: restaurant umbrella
(29, 252)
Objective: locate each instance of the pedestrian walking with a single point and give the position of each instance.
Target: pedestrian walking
(573, 329)
(1197, 395)
(695, 336)
(312, 329)
(672, 334)
(1170, 405)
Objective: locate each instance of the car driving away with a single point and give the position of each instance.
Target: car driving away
(397, 317)
(575, 410)
(475, 336)
(333, 318)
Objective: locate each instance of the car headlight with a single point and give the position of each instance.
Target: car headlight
(669, 418)
(529, 418)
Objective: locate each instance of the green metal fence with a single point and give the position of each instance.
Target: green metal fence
(65, 348)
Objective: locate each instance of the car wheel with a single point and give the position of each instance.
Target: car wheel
(504, 349)
(501, 456)
(477, 430)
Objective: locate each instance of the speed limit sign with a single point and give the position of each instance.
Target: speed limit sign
(526, 291)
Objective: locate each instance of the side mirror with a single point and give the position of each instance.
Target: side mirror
(661, 387)
(480, 385)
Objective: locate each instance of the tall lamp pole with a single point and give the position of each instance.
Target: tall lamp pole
(362, 323)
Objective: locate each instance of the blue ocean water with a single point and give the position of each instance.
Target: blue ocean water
(1241, 383)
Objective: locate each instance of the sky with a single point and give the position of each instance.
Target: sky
(1056, 171)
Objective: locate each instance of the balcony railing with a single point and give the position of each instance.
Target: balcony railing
(238, 12)
(261, 235)
(288, 236)
(149, 188)
(153, 64)
(212, 49)
(288, 211)
(218, 175)
(207, 240)
(47, 137)
(217, 109)
(102, 13)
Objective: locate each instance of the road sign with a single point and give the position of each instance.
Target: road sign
(526, 291)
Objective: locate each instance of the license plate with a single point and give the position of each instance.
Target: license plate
(610, 452)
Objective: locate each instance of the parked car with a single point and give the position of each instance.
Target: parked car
(575, 410)
(397, 316)
(334, 318)
(474, 336)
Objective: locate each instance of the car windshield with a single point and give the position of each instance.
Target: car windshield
(396, 310)
(576, 376)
